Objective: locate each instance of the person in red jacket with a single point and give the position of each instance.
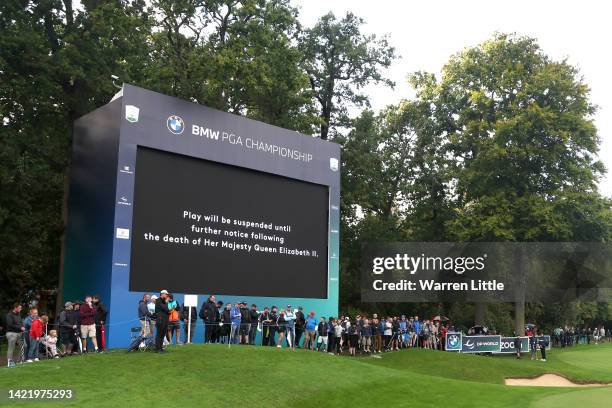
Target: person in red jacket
(36, 332)
(88, 326)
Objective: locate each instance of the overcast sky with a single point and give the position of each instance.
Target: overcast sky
(426, 33)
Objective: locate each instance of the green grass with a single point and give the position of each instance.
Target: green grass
(581, 363)
(215, 376)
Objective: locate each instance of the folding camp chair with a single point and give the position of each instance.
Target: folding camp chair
(136, 335)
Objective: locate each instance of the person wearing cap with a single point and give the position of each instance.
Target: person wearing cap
(290, 324)
(161, 322)
(311, 330)
(68, 326)
(254, 320)
(345, 324)
(300, 321)
(152, 315)
(76, 304)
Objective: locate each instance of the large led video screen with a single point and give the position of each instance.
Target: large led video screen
(206, 227)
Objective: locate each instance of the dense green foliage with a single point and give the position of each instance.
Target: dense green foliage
(213, 375)
(56, 62)
(500, 147)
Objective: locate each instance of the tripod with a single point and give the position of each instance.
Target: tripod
(389, 345)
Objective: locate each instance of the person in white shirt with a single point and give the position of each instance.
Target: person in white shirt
(151, 309)
(290, 325)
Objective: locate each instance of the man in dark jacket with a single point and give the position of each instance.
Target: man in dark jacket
(266, 321)
(300, 321)
(254, 318)
(187, 323)
(273, 326)
(245, 323)
(14, 330)
(208, 314)
(68, 328)
(161, 323)
(215, 337)
(99, 320)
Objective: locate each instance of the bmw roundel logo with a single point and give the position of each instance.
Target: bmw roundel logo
(175, 124)
(453, 340)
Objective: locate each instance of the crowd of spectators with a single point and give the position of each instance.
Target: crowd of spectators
(570, 336)
(31, 337)
(239, 323)
(80, 328)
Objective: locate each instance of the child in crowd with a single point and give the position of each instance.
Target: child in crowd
(50, 342)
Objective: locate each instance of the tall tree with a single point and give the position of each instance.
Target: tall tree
(55, 65)
(519, 128)
(235, 55)
(340, 61)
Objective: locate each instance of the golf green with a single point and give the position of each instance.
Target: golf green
(215, 375)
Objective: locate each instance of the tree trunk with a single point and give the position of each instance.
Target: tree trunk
(59, 306)
(60, 284)
(519, 318)
(480, 314)
(324, 131)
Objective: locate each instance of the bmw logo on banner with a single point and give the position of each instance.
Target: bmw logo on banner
(453, 342)
(175, 124)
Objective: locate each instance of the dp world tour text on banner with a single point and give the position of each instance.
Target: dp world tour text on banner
(487, 344)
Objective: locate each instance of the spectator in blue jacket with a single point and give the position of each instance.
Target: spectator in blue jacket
(27, 324)
(416, 328)
(235, 317)
(311, 330)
